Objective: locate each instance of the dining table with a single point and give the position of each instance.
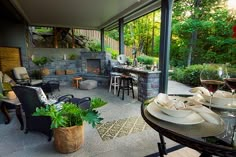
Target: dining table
(207, 138)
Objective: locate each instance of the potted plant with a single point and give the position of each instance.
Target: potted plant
(67, 123)
(40, 62)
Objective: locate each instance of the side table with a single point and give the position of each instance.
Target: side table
(75, 81)
(4, 102)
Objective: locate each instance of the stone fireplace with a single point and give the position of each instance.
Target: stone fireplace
(93, 63)
(94, 66)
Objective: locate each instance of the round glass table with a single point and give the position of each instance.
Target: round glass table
(209, 139)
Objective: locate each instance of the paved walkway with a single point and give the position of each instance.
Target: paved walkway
(14, 142)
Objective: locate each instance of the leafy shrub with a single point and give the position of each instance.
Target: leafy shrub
(192, 75)
(41, 61)
(114, 53)
(147, 60)
(94, 46)
(189, 76)
(178, 74)
(72, 56)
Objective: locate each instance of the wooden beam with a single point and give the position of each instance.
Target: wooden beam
(73, 38)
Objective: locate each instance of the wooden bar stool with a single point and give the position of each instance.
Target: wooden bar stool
(76, 80)
(126, 83)
(114, 81)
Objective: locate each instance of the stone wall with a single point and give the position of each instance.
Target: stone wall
(77, 66)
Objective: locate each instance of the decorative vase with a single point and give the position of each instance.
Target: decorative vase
(68, 139)
(45, 71)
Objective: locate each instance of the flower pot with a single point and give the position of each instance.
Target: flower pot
(45, 71)
(68, 139)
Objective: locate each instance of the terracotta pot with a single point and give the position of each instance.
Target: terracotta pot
(45, 71)
(68, 139)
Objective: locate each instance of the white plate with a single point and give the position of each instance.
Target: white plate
(224, 106)
(191, 119)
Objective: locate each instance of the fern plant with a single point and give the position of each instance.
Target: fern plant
(70, 114)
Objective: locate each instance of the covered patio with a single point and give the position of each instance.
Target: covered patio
(134, 143)
(102, 15)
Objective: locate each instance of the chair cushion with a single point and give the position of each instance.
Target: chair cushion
(9, 80)
(41, 94)
(18, 71)
(88, 84)
(1, 76)
(24, 76)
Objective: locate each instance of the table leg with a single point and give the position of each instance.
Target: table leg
(162, 146)
(5, 113)
(204, 154)
(19, 116)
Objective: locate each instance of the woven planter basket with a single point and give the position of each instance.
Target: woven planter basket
(68, 139)
(45, 71)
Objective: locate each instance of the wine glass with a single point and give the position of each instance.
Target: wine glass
(212, 78)
(230, 81)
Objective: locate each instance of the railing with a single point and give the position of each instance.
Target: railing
(95, 35)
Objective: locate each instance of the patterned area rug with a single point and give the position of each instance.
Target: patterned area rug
(121, 127)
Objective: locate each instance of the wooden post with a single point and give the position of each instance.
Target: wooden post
(55, 37)
(73, 38)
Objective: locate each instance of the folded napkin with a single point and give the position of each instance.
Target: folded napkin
(200, 90)
(207, 114)
(204, 91)
(176, 102)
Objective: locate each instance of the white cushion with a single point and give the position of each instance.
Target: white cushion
(18, 71)
(88, 84)
(1, 76)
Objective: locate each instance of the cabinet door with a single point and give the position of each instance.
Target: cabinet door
(9, 58)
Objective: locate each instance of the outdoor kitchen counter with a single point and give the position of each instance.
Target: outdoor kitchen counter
(148, 81)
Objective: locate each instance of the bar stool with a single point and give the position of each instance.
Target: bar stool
(114, 81)
(126, 83)
(76, 81)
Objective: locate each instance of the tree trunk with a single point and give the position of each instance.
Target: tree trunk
(193, 40)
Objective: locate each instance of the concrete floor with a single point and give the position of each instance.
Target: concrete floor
(14, 143)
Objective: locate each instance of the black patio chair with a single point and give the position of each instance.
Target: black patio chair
(30, 99)
(50, 87)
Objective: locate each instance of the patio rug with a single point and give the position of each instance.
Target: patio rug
(121, 127)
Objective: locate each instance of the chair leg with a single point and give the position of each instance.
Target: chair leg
(123, 91)
(114, 85)
(110, 84)
(132, 88)
(119, 88)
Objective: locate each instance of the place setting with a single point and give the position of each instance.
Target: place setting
(219, 85)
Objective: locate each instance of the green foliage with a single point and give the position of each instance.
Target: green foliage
(41, 61)
(192, 75)
(94, 46)
(212, 24)
(72, 56)
(147, 60)
(114, 53)
(97, 102)
(70, 114)
(189, 75)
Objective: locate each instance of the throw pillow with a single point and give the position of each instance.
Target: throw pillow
(1, 75)
(41, 94)
(24, 76)
(8, 79)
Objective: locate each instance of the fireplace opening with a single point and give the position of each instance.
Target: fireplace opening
(94, 66)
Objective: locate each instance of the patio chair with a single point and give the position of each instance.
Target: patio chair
(22, 77)
(32, 97)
